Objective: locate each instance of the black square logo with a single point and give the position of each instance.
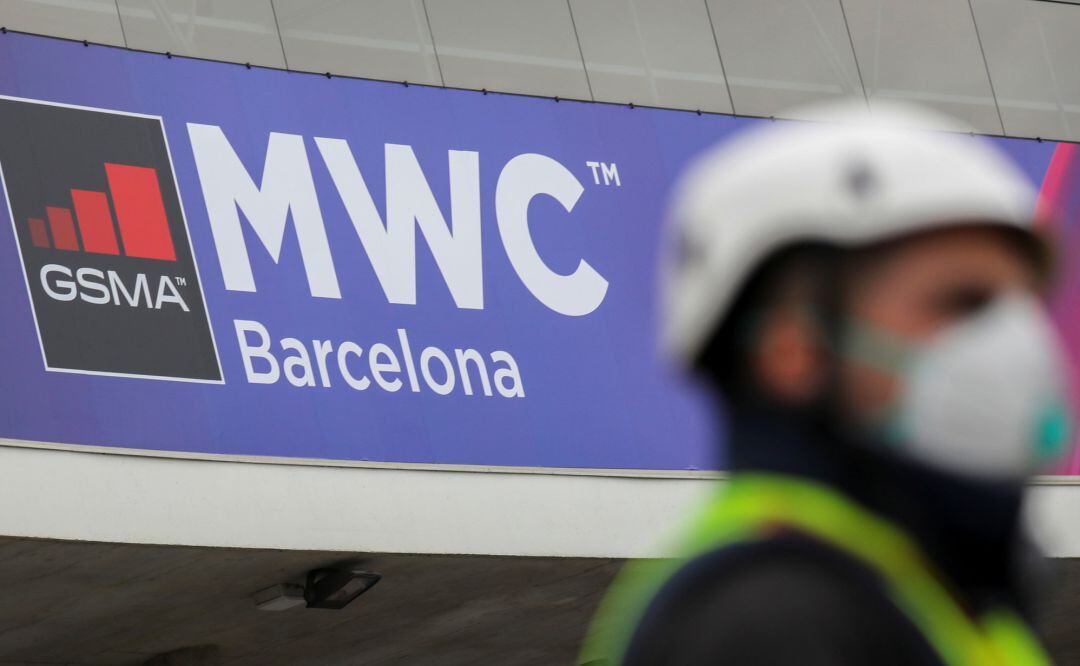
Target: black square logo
(104, 245)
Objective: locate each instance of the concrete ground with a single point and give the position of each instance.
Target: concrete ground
(85, 603)
(65, 602)
(1059, 616)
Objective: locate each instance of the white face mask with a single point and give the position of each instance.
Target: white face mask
(986, 397)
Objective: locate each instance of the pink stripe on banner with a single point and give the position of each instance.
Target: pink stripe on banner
(1050, 206)
(1055, 209)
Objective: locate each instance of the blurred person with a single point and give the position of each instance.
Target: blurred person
(867, 298)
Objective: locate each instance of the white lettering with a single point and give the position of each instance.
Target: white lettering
(260, 350)
(173, 296)
(447, 385)
(342, 358)
(300, 360)
(69, 290)
(463, 356)
(90, 286)
(411, 204)
(286, 187)
(142, 288)
(611, 173)
(515, 389)
(523, 178)
(438, 369)
(378, 367)
(84, 275)
(323, 348)
(595, 174)
(406, 353)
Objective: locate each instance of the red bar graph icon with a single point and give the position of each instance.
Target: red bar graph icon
(95, 222)
(38, 235)
(140, 211)
(63, 229)
(140, 216)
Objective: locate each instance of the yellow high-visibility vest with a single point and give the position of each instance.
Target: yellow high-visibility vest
(751, 507)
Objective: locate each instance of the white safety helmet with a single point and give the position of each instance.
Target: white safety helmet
(857, 179)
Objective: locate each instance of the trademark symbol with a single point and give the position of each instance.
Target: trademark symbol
(608, 170)
(181, 281)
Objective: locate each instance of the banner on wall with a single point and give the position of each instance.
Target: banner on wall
(205, 258)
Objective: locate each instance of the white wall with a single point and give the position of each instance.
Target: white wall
(148, 499)
(65, 494)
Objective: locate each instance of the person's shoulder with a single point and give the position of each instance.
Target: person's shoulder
(784, 600)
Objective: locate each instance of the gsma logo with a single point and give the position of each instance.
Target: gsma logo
(104, 245)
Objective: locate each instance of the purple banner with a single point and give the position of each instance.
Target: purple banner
(206, 258)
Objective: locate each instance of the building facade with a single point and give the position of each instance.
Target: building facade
(466, 428)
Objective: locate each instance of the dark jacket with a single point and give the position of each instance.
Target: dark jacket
(793, 600)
